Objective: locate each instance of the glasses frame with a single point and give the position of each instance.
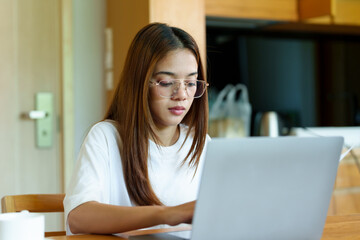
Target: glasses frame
(157, 83)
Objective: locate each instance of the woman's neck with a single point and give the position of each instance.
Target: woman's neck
(167, 135)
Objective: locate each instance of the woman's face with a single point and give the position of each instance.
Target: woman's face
(178, 64)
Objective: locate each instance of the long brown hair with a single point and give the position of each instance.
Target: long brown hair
(130, 107)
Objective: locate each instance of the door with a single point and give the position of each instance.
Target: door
(30, 63)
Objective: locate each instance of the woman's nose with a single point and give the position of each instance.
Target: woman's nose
(181, 92)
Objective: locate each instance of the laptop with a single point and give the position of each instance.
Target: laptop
(264, 188)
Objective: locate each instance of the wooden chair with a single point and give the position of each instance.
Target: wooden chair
(40, 203)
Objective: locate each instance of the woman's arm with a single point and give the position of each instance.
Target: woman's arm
(94, 217)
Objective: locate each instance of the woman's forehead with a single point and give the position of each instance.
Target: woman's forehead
(177, 62)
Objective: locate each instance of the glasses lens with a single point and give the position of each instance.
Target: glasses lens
(200, 88)
(166, 88)
(193, 88)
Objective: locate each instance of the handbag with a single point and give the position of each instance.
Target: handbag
(230, 116)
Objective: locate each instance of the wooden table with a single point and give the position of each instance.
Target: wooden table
(342, 227)
(336, 227)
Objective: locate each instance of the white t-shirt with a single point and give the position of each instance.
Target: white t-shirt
(98, 174)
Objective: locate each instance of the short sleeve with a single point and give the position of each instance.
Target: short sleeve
(89, 181)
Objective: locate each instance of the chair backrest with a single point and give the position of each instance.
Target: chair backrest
(40, 203)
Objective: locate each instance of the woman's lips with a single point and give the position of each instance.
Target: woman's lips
(177, 110)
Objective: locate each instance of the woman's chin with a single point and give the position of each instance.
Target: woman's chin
(170, 122)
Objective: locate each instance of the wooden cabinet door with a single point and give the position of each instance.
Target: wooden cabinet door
(283, 10)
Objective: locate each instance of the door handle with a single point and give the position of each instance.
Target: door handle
(34, 115)
(43, 116)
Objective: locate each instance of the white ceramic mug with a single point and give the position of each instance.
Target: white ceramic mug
(22, 225)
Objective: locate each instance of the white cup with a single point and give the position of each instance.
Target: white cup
(22, 225)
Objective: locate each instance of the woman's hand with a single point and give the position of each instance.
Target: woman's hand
(179, 214)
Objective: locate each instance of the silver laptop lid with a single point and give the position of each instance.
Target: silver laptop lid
(266, 188)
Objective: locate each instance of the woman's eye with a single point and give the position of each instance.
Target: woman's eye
(166, 83)
(191, 83)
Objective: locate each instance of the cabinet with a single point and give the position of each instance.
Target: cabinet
(280, 10)
(345, 12)
(342, 12)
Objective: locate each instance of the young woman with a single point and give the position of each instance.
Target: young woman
(141, 165)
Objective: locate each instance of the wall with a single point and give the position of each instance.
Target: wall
(89, 18)
(8, 95)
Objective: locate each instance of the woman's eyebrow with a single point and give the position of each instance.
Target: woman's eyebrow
(192, 74)
(173, 74)
(165, 73)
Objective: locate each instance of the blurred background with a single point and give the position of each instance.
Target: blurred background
(310, 76)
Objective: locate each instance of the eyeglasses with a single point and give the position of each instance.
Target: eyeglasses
(170, 87)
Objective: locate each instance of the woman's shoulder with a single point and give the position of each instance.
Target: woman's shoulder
(104, 129)
(105, 125)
